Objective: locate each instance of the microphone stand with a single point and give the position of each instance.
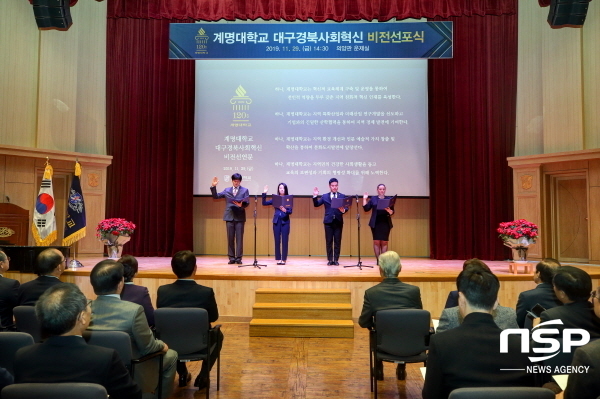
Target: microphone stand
(255, 264)
(359, 264)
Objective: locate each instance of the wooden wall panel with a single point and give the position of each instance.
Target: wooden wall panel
(591, 78)
(19, 42)
(562, 90)
(594, 223)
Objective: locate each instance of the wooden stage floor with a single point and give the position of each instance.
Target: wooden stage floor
(311, 268)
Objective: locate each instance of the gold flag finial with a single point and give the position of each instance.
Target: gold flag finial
(48, 171)
(77, 169)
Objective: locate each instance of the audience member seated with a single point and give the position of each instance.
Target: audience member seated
(469, 355)
(110, 313)
(8, 295)
(64, 314)
(50, 264)
(586, 385)
(572, 287)
(136, 293)
(391, 293)
(543, 294)
(452, 300)
(6, 378)
(186, 293)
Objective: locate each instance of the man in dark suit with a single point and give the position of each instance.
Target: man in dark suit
(543, 294)
(110, 313)
(50, 264)
(391, 293)
(135, 293)
(469, 355)
(8, 295)
(333, 221)
(572, 287)
(586, 385)
(234, 215)
(186, 293)
(64, 314)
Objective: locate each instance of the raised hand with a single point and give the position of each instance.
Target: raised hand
(315, 191)
(215, 181)
(266, 189)
(366, 195)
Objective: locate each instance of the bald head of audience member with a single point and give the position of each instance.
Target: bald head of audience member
(572, 284)
(389, 264)
(183, 264)
(545, 271)
(50, 262)
(477, 291)
(107, 277)
(63, 310)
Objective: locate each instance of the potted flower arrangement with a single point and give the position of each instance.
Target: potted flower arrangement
(114, 233)
(518, 235)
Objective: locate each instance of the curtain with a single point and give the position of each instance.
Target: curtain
(150, 125)
(317, 10)
(150, 115)
(472, 116)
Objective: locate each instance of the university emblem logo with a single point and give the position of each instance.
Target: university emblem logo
(526, 182)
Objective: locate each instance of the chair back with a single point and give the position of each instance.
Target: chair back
(185, 330)
(402, 332)
(502, 393)
(117, 340)
(10, 343)
(27, 322)
(63, 390)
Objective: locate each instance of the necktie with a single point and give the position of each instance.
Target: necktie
(235, 190)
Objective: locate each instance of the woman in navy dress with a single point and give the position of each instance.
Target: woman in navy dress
(381, 220)
(281, 224)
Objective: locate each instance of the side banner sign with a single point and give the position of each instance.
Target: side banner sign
(407, 40)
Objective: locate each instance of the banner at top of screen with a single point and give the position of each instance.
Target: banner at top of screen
(407, 40)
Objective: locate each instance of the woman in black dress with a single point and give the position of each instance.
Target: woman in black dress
(381, 220)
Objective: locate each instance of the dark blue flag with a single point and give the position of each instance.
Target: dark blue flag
(75, 220)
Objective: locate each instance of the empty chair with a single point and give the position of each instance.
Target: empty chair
(27, 322)
(399, 336)
(121, 342)
(186, 330)
(502, 393)
(10, 343)
(63, 390)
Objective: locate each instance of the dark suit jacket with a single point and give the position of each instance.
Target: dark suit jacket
(278, 214)
(71, 359)
(233, 213)
(9, 289)
(188, 294)
(330, 213)
(382, 213)
(585, 385)
(543, 294)
(391, 293)
(140, 295)
(30, 291)
(469, 356)
(452, 300)
(574, 315)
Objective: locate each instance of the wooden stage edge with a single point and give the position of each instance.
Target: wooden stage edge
(235, 286)
(311, 268)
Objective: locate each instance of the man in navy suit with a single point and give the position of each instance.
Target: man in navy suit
(50, 264)
(64, 314)
(469, 355)
(8, 295)
(333, 221)
(234, 215)
(543, 294)
(186, 293)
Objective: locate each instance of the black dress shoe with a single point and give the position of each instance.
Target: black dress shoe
(329, 263)
(336, 263)
(184, 379)
(201, 382)
(239, 262)
(231, 262)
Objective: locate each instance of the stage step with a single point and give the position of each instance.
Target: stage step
(325, 313)
(301, 328)
(331, 311)
(266, 295)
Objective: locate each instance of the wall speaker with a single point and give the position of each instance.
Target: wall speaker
(52, 14)
(567, 12)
